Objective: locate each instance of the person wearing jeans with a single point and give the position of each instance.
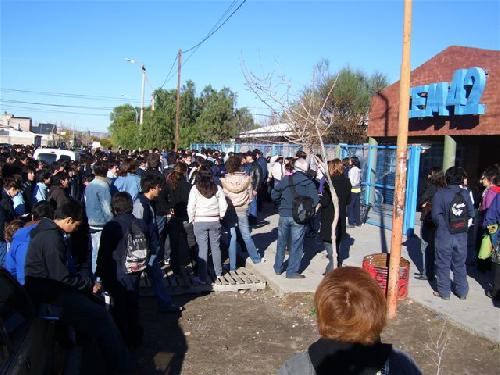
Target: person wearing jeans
(97, 207)
(145, 210)
(237, 187)
(288, 229)
(206, 207)
(354, 175)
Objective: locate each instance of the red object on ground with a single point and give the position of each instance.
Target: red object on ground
(377, 265)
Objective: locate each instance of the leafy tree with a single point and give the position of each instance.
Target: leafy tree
(123, 127)
(211, 116)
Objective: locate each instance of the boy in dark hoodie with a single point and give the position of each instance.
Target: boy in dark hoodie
(50, 279)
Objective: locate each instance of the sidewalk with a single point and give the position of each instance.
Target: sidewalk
(476, 314)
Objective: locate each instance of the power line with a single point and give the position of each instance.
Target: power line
(216, 27)
(67, 95)
(55, 105)
(213, 31)
(52, 110)
(170, 71)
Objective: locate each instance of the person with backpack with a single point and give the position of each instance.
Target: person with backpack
(296, 197)
(122, 257)
(451, 210)
(435, 181)
(144, 209)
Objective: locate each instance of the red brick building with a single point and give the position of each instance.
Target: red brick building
(470, 140)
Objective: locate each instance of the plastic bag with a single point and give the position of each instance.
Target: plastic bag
(486, 247)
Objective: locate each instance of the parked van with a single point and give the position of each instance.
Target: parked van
(50, 155)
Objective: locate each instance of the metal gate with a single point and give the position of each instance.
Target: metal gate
(378, 166)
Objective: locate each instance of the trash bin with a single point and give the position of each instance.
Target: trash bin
(377, 266)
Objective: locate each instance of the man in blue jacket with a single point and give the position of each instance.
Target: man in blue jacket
(451, 248)
(98, 207)
(287, 227)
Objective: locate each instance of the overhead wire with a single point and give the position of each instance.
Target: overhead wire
(55, 104)
(68, 95)
(216, 27)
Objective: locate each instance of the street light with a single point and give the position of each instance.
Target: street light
(143, 70)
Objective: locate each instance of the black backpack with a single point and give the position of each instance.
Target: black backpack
(302, 207)
(459, 218)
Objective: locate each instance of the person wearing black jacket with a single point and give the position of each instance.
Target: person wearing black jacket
(180, 232)
(253, 169)
(144, 209)
(122, 286)
(50, 279)
(435, 181)
(342, 187)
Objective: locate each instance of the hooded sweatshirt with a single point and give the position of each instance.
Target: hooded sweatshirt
(238, 189)
(47, 260)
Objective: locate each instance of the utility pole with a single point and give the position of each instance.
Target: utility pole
(141, 117)
(401, 156)
(178, 104)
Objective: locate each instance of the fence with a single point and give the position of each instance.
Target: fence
(378, 166)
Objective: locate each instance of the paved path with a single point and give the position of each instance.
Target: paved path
(476, 314)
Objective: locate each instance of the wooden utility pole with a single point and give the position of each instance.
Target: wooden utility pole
(178, 104)
(401, 156)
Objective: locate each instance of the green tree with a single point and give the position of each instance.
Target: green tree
(211, 116)
(123, 128)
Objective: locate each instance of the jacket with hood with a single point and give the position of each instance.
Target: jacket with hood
(47, 261)
(113, 249)
(238, 189)
(283, 196)
(334, 357)
(16, 257)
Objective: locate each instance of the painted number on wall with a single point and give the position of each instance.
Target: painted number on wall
(461, 97)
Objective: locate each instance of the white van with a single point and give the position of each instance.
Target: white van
(50, 155)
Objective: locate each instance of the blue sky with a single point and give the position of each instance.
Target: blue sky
(79, 47)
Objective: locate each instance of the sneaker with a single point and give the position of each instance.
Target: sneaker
(437, 294)
(295, 276)
(172, 308)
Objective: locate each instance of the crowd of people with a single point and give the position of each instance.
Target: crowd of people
(75, 232)
(455, 217)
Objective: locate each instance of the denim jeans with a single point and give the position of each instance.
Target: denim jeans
(244, 228)
(252, 208)
(204, 232)
(155, 275)
(96, 242)
(3, 252)
(354, 209)
(289, 229)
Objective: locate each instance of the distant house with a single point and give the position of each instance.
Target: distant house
(18, 123)
(44, 128)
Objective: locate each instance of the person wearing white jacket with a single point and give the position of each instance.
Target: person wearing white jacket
(206, 206)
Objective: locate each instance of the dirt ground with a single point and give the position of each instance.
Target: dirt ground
(255, 332)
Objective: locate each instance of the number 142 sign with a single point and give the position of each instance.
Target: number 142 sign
(461, 97)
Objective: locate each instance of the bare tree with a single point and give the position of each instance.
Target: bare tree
(305, 114)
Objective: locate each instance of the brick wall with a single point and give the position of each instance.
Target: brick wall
(383, 117)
